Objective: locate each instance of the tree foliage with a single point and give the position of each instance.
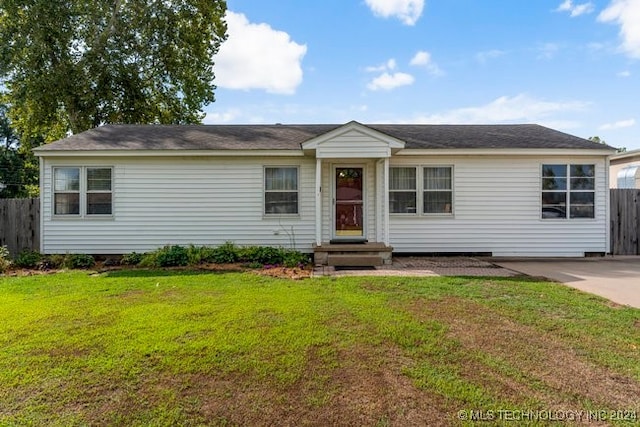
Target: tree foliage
(71, 65)
(18, 166)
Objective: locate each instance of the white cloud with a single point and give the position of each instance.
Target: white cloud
(218, 117)
(521, 108)
(489, 54)
(255, 56)
(625, 73)
(625, 13)
(408, 11)
(618, 125)
(575, 9)
(386, 81)
(389, 65)
(423, 59)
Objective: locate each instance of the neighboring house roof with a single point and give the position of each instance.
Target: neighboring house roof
(626, 157)
(290, 137)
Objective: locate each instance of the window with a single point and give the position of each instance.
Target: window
(281, 191)
(428, 188)
(568, 191)
(438, 192)
(98, 191)
(66, 191)
(82, 191)
(402, 190)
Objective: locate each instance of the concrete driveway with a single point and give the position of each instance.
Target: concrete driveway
(615, 278)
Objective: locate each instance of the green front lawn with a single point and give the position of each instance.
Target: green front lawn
(193, 348)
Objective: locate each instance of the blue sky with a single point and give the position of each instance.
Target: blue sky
(570, 65)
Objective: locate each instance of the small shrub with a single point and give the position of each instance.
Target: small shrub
(149, 259)
(295, 259)
(52, 261)
(132, 258)
(5, 262)
(207, 254)
(255, 265)
(172, 256)
(78, 261)
(261, 254)
(200, 254)
(225, 254)
(28, 259)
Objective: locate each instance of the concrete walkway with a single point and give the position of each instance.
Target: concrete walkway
(424, 266)
(615, 278)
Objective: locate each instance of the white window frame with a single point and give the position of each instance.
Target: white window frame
(421, 190)
(265, 191)
(83, 192)
(55, 192)
(567, 191)
(416, 190)
(449, 190)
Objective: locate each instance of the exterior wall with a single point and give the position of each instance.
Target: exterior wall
(188, 200)
(617, 165)
(207, 201)
(497, 209)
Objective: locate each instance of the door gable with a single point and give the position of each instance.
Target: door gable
(353, 140)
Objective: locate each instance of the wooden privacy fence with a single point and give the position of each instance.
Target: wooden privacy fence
(625, 222)
(20, 224)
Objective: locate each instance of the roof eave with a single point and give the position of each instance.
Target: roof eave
(505, 152)
(171, 153)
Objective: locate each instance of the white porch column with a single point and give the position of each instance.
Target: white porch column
(318, 201)
(379, 200)
(385, 198)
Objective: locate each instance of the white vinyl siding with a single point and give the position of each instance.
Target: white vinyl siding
(353, 145)
(182, 200)
(210, 200)
(497, 210)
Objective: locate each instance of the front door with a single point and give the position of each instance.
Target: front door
(349, 203)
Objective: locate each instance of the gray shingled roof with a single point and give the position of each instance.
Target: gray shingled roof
(289, 137)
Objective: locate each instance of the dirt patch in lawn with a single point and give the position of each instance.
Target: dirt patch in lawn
(525, 362)
(346, 391)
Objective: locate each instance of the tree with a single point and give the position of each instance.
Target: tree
(18, 166)
(71, 65)
(602, 141)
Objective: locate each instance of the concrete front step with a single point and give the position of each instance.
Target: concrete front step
(368, 254)
(354, 260)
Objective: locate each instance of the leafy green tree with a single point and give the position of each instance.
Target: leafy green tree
(18, 166)
(71, 65)
(602, 141)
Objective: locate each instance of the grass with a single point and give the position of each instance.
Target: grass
(191, 348)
